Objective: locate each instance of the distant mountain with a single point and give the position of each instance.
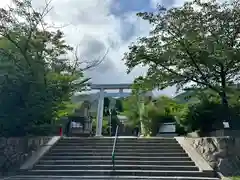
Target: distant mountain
(191, 95)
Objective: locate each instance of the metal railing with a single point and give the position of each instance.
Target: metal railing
(114, 146)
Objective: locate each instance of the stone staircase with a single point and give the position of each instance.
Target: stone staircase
(136, 158)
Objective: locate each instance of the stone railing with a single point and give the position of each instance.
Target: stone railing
(14, 151)
(222, 153)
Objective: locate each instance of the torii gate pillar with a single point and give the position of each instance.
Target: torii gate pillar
(103, 87)
(100, 113)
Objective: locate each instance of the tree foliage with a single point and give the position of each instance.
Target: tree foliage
(197, 44)
(37, 79)
(155, 113)
(131, 110)
(200, 115)
(203, 115)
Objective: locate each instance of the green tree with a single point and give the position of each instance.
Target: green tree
(196, 45)
(201, 116)
(155, 113)
(119, 105)
(36, 79)
(204, 113)
(163, 110)
(131, 110)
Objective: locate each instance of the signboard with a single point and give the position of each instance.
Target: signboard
(167, 128)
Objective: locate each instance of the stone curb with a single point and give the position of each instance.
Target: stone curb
(39, 153)
(194, 155)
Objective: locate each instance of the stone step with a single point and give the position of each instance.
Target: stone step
(133, 138)
(119, 141)
(149, 154)
(118, 147)
(127, 158)
(119, 144)
(119, 162)
(29, 177)
(119, 173)
(117, 167)
(95, 150)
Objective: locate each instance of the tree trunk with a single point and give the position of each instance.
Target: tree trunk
(227, 114)
(223, 95)
(224, 100)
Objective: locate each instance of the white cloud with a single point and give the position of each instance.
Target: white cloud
(91, 24)
(4, 3)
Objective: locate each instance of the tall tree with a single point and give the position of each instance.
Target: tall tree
(36, 77)
(197, 44)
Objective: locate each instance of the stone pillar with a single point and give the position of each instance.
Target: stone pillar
(100, 113)
(85, 112)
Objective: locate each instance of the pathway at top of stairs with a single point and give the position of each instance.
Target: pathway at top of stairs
(136, 158)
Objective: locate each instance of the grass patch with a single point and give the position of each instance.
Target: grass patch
(235, 178)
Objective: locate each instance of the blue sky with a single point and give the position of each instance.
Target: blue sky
(97, 25)
(120, 7)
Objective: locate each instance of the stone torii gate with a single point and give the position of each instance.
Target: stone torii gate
(103, 87)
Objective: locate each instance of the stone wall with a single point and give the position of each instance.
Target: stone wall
(226, 132)
(222, 153)
(14, 151)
